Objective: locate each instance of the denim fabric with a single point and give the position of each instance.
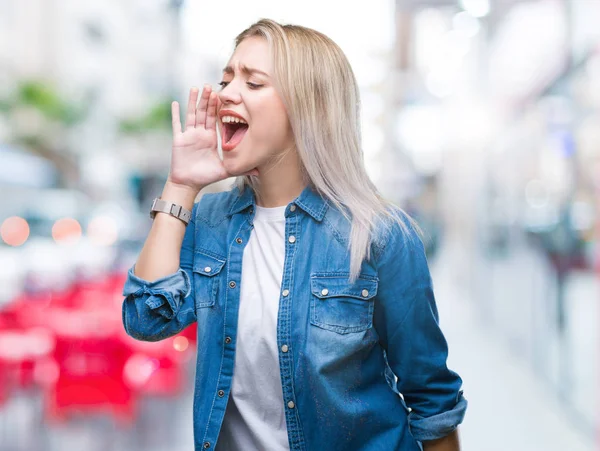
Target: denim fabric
(365, 367)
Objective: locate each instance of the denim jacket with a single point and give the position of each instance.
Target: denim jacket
(362, 365)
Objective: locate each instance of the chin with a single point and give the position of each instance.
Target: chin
(235, 169)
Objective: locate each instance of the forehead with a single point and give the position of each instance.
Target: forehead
(253, 52)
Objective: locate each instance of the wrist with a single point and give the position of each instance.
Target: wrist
(179, 194)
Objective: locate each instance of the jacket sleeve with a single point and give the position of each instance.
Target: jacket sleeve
(406, 319)
(156, 310)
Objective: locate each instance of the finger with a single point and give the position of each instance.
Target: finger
(175, 118)
(211, 112)
(201, 111)
(190, 116)
(218, 105)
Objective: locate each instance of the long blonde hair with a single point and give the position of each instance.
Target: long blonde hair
(320, 93)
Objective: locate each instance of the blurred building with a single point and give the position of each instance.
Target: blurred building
(496, 107)
(116, 61)
(120, 52)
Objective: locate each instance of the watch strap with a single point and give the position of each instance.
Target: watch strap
(161, 206)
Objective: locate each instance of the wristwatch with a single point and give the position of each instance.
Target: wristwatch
(159, 205)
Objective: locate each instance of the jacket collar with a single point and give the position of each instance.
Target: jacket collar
(309, 200)
(242, 200)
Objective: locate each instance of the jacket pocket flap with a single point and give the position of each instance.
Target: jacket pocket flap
(326, 286)
(207, 264)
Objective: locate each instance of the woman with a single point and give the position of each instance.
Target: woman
(312, 295)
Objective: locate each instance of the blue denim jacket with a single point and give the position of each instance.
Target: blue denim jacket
(351, 349)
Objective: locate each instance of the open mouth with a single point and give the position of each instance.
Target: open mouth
(233, 133)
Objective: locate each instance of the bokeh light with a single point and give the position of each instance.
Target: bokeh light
(14, 231)
(102, 230)
(180, 343)
(66, 230)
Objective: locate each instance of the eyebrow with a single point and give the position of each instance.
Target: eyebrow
(245, 69)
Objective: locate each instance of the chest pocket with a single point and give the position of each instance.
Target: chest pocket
(206, 271)
(340, 306)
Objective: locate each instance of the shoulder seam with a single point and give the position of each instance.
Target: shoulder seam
(221, 217)
(335, 231)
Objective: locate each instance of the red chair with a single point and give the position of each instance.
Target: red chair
(88, 364)
(90, 361)
(20, 352)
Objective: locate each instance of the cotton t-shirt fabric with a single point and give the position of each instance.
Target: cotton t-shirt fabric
(255, 418)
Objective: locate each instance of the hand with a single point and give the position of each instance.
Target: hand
(195, 161)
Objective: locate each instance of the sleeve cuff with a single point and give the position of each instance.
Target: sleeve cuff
(161, 291)
(440, 425)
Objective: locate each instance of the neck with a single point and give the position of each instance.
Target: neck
(280, 184)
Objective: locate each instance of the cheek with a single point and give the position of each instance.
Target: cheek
(275, 128)
(271, 121)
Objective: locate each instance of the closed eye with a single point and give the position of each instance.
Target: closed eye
(223, 84)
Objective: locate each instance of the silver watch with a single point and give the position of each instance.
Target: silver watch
(159, 205)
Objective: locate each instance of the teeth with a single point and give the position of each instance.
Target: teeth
(232, 120)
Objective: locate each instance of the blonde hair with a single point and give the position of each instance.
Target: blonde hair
(320, 93)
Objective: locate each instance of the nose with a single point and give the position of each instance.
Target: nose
(230, 94)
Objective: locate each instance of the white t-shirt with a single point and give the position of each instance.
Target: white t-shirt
(255, 418)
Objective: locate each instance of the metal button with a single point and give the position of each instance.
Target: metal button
(324, 291)
(232, 284)
(221, 393)
(284, 348)
(285, 293)
(292, 239)
(365, 293)
(208, 269)
(291, 404)
(227, 340)
(292, 208)
(251, 210)
(206, 445)
(239, 240)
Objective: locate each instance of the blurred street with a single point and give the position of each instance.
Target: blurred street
(509, 407)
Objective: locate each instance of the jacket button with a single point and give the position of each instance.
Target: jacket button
(206, 445)
(208, 269)
(292, 208)
(292, 239)
(284, 348)
(221, 393)
(227, 340)
(285, 293)
(239, 240)
(232, 284)
(365, 293)
(324, 291)
(291, 404)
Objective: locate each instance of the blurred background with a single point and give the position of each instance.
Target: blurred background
(480, 117)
